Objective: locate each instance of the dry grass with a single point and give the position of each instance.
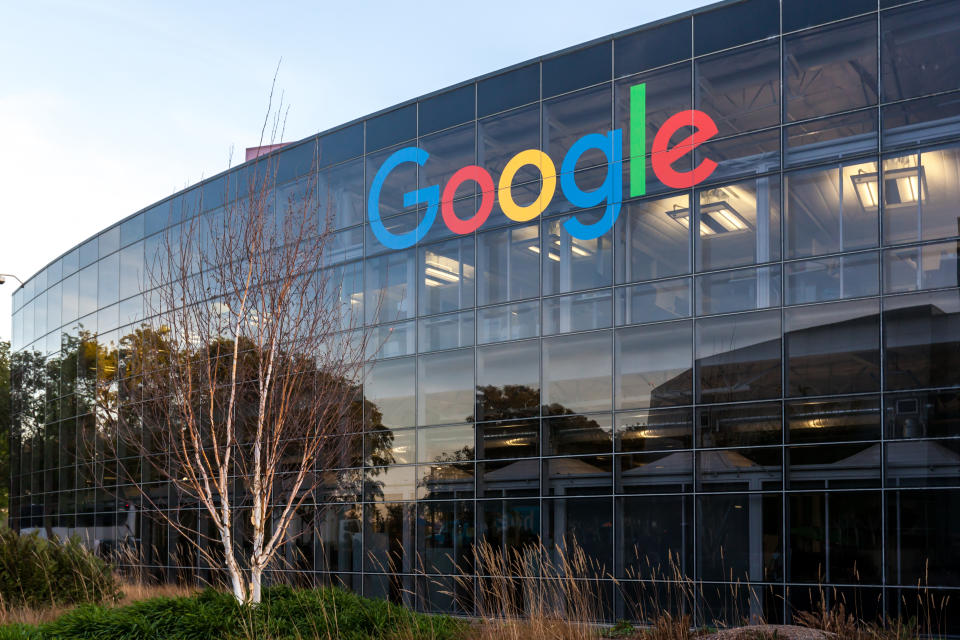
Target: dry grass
(131, 593)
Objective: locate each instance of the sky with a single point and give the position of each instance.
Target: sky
(107, 107)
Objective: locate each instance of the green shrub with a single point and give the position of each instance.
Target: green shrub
(284, 614)
(35, 572)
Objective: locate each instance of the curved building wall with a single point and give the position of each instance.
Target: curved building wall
(756, 374)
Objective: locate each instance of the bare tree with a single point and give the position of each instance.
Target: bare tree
(246, 386)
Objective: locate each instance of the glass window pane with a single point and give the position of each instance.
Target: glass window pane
(577, 312)
(447, 109)
(912, 37)
(931, 266)
(922, 414)
(581, 476)
(577, 373)
(88, 290)
(653, 239)
(449, 151)
(445, 388)
(510, 89)
(921, 335)
(831, 209)
(389, 446)
(834, 278)
(568, 118)
(739, 425)
(831, 69)
(578, 435)
(740, 89)
(667, 92)
(920, 192)
(447, 276)
(389, 390)
(652, 302)
(508, 322)
(390, 290)
(508, 381)
(738, 357)
(652, 47)
(754, 19)
(657, 430)
(445, 444)
(654, 547)
(833, 348)
(401, 180)
(830, 139)
(908, 124)
(446, 332)
(340, 194)
(503, 136)
(508, 439)
(834, 420)
(390, 340)
(510, 524)
(742, 155)
(922, 536)
(509, 264)
(740, 537)
(579, 68)
(132, 276)
(738, 224)
(654, 365)
(923, 463)
(570, 263)
(739, 290)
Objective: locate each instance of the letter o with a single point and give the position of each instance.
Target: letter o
(485, 181)
(549, 172)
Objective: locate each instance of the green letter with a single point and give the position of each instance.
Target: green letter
(638, 126)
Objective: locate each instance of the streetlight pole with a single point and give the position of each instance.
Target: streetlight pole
(4, 276)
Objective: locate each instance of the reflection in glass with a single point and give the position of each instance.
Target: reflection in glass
(833, 348)
(503, 136)
(586, 523)
(577, 312)
(508, 381)
(508, 439)
(446, 332)
(736, 224)
(578, 435)
(921, 336)
(579, 476)
(931, 266)
(663, 472)
(445, 444)
(390, 388)
(577, 373)
(340, 194)
(445, 537)
(508, 322)
(835, 278)
(856, 418)
(664, 429)
(738, 425)
(445, 387)
(390, 289)
(834, 466)
(923, 463)
(738, 357)
(923, 414)
(445, 481)
(740, 290)
(652, 302)
(912, 37)
(509, 524)
(654, 365)
(922, 536)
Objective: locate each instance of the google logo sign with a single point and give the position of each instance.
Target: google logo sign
(664, 155)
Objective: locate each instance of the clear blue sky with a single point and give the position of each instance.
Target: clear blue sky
(107, 107)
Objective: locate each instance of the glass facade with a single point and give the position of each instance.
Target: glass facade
(756, 379)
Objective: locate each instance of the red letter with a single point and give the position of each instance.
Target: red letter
(662, 157)
(482, 178)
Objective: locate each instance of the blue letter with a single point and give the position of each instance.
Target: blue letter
(428, 195)
(610, 192)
